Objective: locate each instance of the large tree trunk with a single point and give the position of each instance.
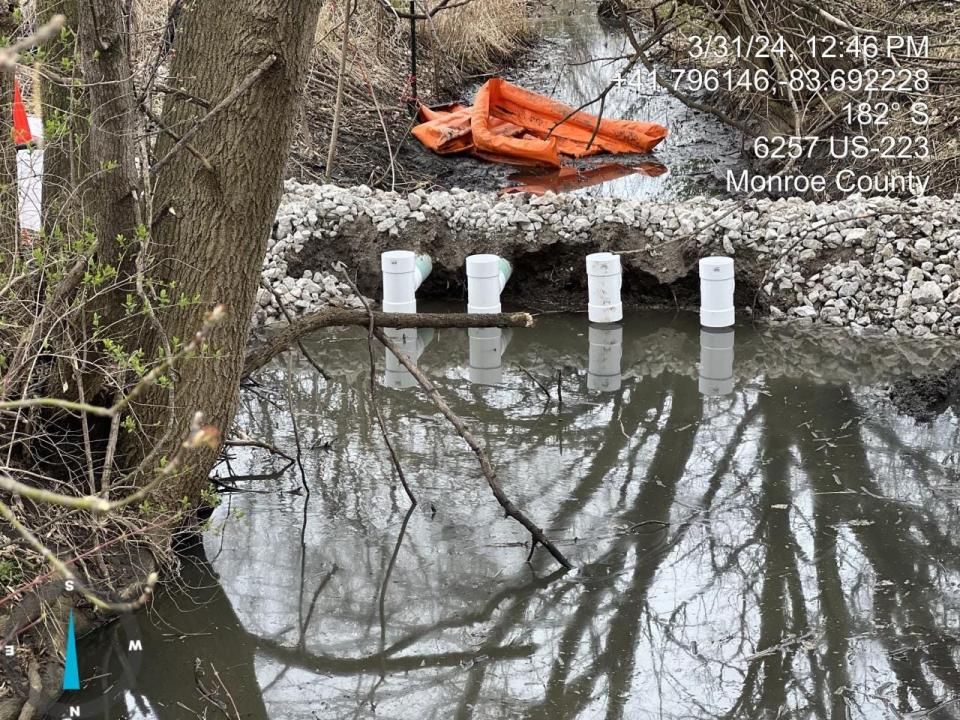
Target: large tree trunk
(212, 226)
(111, 198)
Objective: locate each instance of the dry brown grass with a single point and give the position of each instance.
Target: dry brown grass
(478, 35)
(468, 40)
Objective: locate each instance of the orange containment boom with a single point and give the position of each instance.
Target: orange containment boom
(511, 125)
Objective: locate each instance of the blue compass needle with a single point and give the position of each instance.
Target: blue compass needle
(71, 670)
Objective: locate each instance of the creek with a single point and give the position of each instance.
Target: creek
(757, 532)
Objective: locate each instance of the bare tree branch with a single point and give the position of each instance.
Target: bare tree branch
(511, 510)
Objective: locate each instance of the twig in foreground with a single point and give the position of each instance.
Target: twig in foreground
(394, 458)
(489, 473)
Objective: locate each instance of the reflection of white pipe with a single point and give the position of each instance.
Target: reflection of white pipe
(716, 362)
(30, 178)
(606, 351)
(486, 277)
(412, 343)
(403, 272)
(716, 292)
(487, 346)
(604, 280)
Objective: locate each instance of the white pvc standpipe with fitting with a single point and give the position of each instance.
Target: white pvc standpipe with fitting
(487, 275)
(716, 292)
(604, 282)
(606, 352)
(403, 273)
(716, 362)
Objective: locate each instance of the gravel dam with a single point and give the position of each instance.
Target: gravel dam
(876, 265)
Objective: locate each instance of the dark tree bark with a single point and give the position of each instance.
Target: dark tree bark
(103, 195)
(111, 195)
(212, 226)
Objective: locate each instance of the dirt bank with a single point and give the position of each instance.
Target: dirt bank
(927, 397)
(374, 145)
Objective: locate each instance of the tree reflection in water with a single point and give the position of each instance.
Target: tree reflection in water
(785, 551)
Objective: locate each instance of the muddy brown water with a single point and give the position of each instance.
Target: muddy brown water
(755, 535)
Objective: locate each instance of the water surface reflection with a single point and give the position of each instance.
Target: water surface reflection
(754, 538)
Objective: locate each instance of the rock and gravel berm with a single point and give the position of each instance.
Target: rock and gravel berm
(877, 265)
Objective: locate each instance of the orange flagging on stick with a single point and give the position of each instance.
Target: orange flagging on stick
(508, 124)
(21, 126)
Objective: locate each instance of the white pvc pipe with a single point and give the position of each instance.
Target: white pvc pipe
(486, 277)
(716, 362)
(716, 292)
(606, 351)
(403, 273)
(604, 281)
(30, 179)
(487, 346)
(412, 343)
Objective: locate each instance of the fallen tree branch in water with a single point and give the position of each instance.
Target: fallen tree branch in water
(489, 473)
(331, 317)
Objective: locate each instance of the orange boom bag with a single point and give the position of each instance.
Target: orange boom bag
(511, 125)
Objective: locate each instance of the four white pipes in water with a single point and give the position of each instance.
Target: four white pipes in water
(487, 275)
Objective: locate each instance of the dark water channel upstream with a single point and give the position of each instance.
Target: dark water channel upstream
(757, 533)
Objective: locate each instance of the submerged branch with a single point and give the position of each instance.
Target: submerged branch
(489, 473)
